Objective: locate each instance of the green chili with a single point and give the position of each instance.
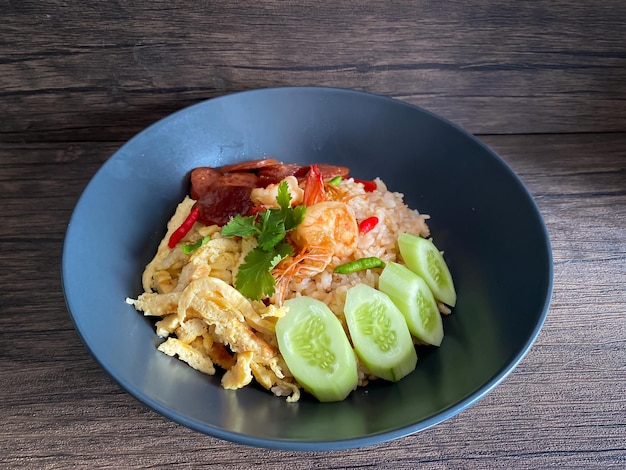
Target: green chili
(359, 265)
(191, 247)
(335, 181)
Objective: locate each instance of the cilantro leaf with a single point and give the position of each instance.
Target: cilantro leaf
(272, 230)
(240, 226)
(294, 217)
(283, 197)
(283, 250)
(254, 278)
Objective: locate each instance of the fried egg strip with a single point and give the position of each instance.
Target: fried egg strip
(226, 297)
(181, 213)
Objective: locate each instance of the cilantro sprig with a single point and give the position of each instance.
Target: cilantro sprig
(254, 278)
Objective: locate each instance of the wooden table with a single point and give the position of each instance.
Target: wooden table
(543, 83)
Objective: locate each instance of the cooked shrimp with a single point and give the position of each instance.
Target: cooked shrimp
(328, 224)
(310, 261)
(329, 228)
(313, 187)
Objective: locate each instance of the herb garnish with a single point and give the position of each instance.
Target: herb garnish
(254, 278)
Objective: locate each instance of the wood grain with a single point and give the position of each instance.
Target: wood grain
(492, 67)
(564, 404)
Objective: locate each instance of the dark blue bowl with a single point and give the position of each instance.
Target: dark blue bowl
(483, 217)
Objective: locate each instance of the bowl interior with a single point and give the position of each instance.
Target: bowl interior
(478, 206)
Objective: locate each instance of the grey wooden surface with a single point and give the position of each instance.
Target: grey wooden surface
(543, 83)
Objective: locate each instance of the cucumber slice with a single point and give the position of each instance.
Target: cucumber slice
(379, 333)
(316, 349)
(414, 299)
(422, 257)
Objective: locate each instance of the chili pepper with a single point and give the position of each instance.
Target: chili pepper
(334, 181)
(257, 209)
(359, 265)
(368, 224)
(368, 186)
(184, 228)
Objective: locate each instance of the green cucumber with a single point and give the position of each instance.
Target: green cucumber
(316, 349)
(414, 299)
(379, 333)
(422, 257)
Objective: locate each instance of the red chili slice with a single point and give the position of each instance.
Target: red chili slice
(184, 228)
(368, 186)
(368, 224)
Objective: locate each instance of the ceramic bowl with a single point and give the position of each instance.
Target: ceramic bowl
(482, 216)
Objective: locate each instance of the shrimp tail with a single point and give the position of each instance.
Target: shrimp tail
(314, 187)
(311, 260)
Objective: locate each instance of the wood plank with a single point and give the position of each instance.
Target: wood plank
(89, 71)
(579, 184)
